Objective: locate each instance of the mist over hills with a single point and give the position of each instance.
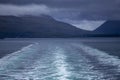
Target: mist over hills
(47, 27)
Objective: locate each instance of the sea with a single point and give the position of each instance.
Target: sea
(95, 58)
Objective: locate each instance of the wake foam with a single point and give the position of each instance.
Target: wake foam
(101, 56)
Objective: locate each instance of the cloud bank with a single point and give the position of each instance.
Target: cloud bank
(83, 9)
(16, 10)
(62, 14)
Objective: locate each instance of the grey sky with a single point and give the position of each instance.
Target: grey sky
(16, 10)
(65, 10)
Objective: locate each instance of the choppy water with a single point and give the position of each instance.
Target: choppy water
(59, 61)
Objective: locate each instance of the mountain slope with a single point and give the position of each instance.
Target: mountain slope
(36, 27)
(109, 28)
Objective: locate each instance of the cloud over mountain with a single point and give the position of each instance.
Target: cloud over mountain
(62, 10)
(16, 10)
(82, 9)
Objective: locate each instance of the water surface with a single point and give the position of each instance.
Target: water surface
(62, 59)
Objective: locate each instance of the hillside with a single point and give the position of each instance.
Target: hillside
(109, 28)
(36, 27)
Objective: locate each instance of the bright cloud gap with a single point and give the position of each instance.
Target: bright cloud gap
(89, 25)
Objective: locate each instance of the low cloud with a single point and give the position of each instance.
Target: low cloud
(73, 16)
(83, 9)
(16, 10)
(89, 25)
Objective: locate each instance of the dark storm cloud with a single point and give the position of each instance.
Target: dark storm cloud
(78, 9)
(66, 3)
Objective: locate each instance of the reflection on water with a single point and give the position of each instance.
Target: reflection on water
(59, 61)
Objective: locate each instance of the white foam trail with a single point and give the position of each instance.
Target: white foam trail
(12, 60)
(10, 64)
(53, 64)
(102, 56)
(85, 69)
(58, 70)
(61, 65)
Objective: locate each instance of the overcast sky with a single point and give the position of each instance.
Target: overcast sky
(85, 14)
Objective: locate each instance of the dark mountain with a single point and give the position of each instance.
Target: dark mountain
(46, 27)
(109, 28)
(36, 27)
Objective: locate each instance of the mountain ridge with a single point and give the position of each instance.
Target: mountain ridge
(109, 28)
(45, 26)
(33, 27)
